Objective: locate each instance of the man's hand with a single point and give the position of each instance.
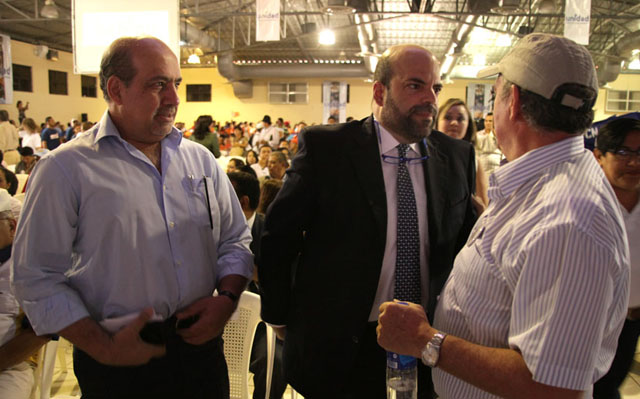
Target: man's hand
(213, 313)
(128, 349)
(125, 348)
(403, 328)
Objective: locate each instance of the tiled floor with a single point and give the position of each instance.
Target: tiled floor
(64, 382)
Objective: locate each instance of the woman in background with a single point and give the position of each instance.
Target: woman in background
(455, 121)
(32, 137)
(202, 134)
(618, 153)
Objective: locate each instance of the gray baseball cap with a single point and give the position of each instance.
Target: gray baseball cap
(541, 63)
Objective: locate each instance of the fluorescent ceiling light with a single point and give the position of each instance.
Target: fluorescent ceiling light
(327, 37)
(480, 60)
(503, 40)
(193, 59)
(49, 10)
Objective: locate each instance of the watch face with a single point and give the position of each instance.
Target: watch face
(430, 355)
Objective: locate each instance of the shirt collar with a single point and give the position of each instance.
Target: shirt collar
(388, 143)
(509, 177)
(107, 128)
(251, 220)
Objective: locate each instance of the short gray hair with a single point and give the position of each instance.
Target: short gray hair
(544, 114)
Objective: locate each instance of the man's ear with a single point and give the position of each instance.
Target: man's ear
(13, 223)
(514, 103)
(378, 93)
(598, 154)
(114, 89)
(244, 202)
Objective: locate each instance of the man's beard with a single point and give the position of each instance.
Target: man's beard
(402, 124)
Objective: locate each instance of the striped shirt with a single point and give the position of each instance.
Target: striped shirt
(545, 270)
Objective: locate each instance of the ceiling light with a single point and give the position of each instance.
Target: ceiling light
(49, 10)
(547, 7)
(338, 7)
(193, 59)
(480, 59)
(507, 7)
(635, 64)
(503, 40)
(327, 37)
(446, 65)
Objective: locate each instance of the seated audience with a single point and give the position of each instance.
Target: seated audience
(278, 165)
(262, 166)
(618, 153)
(234, 164)
(18, 342)
(27, 160)
(252, 157)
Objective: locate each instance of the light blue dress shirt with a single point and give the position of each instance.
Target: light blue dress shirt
(104, 234)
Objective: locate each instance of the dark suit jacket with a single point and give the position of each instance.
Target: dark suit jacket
(332, 211)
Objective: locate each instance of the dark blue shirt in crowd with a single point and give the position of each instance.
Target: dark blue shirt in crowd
(51, 137)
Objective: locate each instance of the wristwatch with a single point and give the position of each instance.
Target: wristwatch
(431, 352)
(234, 298)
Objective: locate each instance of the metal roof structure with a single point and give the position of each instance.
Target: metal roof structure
(472, 32)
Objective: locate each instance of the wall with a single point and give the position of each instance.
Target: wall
(224, 104)
(43, 104)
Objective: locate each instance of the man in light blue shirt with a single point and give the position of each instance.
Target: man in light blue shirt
(130, 226)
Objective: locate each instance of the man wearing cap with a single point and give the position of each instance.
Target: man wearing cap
(538, 294)
(17, 340)
(126, 233)
(27, 160)
(269, 134)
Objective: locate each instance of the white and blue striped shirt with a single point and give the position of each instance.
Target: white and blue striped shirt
(545, 271)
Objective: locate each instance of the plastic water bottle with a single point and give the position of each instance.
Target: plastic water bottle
(402, 376)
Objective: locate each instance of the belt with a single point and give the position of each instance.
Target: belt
(159, 332)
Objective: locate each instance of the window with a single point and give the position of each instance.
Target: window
(57, 82)
(199, 93)
(89, 86)
(22, 78)
(623, 100)
(288, 93)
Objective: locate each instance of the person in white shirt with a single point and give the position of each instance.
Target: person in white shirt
(32, 137)
(618, 153)
(538, 295)
(269, 134)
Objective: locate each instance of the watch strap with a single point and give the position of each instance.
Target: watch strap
(234, 298)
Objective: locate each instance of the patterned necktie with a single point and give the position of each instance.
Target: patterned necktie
(407, 286)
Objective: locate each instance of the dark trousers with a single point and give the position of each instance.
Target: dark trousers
(258, 366)
(187, 371)
(368, 379)
(607, 386)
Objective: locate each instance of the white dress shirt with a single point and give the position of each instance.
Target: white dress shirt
(386, 285)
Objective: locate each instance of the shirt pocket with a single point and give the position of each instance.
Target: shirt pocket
(200, 200)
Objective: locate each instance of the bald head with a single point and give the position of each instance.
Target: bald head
(399, 54)
(117, 60)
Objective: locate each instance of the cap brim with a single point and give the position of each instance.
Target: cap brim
(489, 71)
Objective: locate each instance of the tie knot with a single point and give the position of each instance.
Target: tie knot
(402, 150)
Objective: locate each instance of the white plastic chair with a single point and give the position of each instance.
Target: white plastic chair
(22, 180)
(238, 341)
(44, 372)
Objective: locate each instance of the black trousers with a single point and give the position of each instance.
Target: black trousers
(607, 386)
(368, 379)
(187, 371)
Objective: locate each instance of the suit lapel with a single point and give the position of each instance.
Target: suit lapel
(435, 172)
(365, 157)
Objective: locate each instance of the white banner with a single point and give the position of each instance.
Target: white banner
(334, 101)
(577, 16)
(267, 20)
(6, 76)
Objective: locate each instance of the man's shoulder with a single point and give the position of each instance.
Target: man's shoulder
(338, 131)
(448, 144)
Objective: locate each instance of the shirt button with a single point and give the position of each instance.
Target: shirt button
(164, 186)
(171, 224)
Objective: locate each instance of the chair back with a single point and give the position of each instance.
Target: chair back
(238, 339)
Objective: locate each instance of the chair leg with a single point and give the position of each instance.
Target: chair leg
(271, 352)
